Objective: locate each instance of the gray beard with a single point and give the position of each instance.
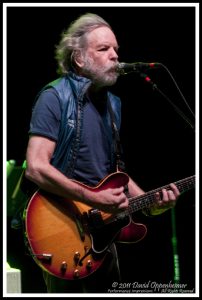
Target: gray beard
(100, 77)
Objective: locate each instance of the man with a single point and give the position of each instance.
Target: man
(71, 137)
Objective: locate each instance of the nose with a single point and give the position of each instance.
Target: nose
(113, 54)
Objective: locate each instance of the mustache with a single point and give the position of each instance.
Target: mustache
(112, 68)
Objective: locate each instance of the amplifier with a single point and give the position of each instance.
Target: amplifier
(13, 280)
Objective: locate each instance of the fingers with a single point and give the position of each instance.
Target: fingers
(171, 194)
(169, 197)
(119, 201)
(124, 204)
(117, 191)
(175, 190)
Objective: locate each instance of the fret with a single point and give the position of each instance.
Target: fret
(147, 199)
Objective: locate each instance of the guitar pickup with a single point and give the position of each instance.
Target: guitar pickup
(95, 218)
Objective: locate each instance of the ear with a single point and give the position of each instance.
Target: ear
(78, 59)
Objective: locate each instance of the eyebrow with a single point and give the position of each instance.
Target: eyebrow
(107, 45)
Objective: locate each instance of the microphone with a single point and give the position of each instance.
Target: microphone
(125, 68)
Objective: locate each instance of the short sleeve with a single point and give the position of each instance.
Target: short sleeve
(46, 115)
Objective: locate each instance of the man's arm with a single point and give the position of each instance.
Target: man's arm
(47, 177)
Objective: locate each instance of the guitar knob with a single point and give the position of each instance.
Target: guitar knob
(76, 257)
(76, 273)
(89, 264)
(86, 248)
(63, 267)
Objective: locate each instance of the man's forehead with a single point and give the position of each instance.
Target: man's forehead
(101, 35)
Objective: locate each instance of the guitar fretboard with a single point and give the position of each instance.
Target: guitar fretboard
(147, 199)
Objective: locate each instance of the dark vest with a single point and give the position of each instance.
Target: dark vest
(71, 89)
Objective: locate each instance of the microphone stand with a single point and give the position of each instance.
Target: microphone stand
(176, 108)
(176, 266)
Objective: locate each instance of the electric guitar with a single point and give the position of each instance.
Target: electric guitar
(69, 239)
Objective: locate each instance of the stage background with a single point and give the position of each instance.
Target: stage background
(159, 145)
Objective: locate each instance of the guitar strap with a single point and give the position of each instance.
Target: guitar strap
(120, 165)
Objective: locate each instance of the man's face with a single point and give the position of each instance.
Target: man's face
(100, 57)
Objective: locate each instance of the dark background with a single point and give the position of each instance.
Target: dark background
(159, 145)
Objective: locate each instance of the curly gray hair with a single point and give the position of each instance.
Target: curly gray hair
(74, 39)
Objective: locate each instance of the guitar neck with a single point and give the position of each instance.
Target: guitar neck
(147, 199)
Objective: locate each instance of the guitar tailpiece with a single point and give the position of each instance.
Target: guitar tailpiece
(46, 257)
